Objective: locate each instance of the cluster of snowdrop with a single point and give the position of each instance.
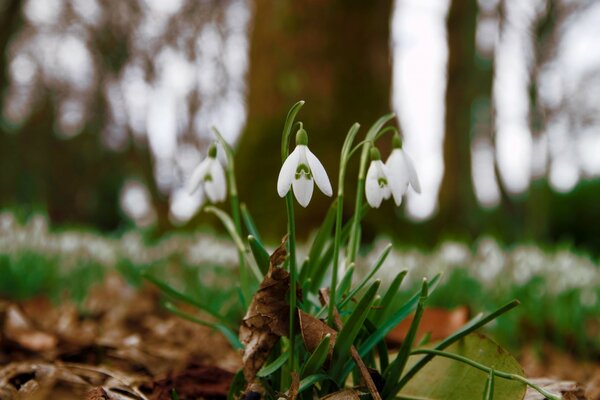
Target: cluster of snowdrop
(301, 170)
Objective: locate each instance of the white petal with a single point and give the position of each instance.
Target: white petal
(398, 174)
(385, 173)
(412, 174)
(216, 189)
(372, 189)
(318, 173)
(287, 172)
(197, 175)
(397, 168)
(303, 190)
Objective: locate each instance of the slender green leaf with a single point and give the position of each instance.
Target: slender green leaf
(321, 265)
(471, 326)
(260, 254)
(388, 299)
(488, 392)
(287, 128)
(231, 336)
(367, 278)
(175, 294)
(311, 380)
(323, 235)
(237, 385)
(317, 358)
(394, 371)
(389, 324)
(346, 281)
(249, 222)
(230, 227)
(274, 365)
(228, 224)
(174, 395)
(348, 333)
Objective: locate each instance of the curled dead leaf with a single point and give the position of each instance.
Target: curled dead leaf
(345, 394)
(314, 330)
(268, 315)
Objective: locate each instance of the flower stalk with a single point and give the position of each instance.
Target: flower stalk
(289, 202)
(344, 157)
(235, 211)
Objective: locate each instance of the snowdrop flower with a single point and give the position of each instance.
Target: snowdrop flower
(210, 176)
(377, 187)
(401, 172)
(300, 171)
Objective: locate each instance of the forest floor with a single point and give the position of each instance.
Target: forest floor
(122, 344)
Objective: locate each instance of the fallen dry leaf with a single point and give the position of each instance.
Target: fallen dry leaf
(267, 318)
(344, 394)
(440, 323)
(196, 381)
(314, 330)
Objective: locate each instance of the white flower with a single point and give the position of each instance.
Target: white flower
(211, 177)
(402, 173)
(377, 187)
(301, 170)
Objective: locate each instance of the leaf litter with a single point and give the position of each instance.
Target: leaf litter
(120, 344)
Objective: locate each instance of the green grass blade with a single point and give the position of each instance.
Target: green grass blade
(393, 373)
(287, 128)
(471, 326)
(348, 333)
(367, 278)
(346, 281)
(260, 254)
(228, 224)
(389, 324)
(274, 365)
(230, 227)
(175, 294)
(321, 265)
(388, 299)
(317, 358)
(249, 222)
(323, 235)
(488, 391)
(311, 380)
(231, 336)
(237, 385)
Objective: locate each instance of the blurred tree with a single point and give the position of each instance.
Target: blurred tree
(335, 55)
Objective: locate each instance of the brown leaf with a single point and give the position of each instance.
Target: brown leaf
(196, 381)
(97, 394)
(19, 329)
(439, 322)
(344, 394)
(267, 317)
(314, 330)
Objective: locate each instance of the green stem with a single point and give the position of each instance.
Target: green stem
(235, 208)
(501, 374)
(372, 135)
(336, 250)
(344, 157)
(289, 202)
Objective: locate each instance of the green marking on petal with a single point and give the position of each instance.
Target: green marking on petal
(382, 182)
(208, 178)
(303, 171)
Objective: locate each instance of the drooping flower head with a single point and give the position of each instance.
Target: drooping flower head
(300, 171)
(377, 185)
(402, 171)
(210, 177)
